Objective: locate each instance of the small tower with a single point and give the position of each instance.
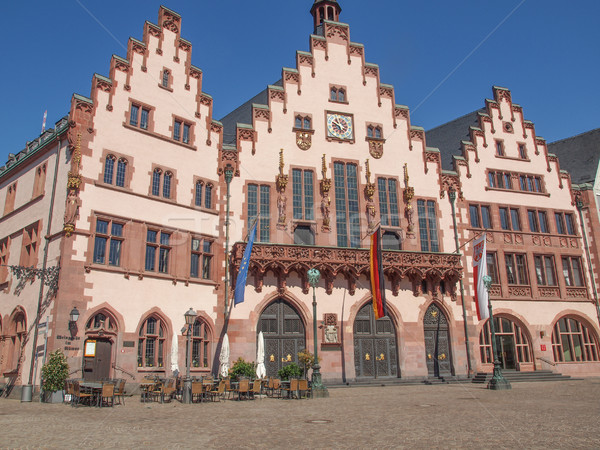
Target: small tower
(324, 10)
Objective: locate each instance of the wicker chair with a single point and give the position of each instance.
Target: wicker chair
(243, 389)
(197, 391)
(79, 396)
(303, 388)
(107, 394)
(218, 392)
(255, 389)
(120, 392)
(292, 390)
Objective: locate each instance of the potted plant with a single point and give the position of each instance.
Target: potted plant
(292, 370)
(242, 369)
(307, 359)
(54, 376)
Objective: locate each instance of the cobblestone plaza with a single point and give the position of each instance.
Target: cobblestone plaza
(531, 415)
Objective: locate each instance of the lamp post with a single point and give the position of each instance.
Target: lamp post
(498, 382)
(73, 317)
(317, 386)
(190, 318)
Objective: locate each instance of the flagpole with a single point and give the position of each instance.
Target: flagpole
(498, 382)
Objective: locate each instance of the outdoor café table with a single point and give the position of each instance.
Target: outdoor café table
(145, 389)
(285, 385)
(95, 387)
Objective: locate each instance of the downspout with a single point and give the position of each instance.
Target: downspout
(579, 204)
(452, 197)
(228, 178)
(26, 396)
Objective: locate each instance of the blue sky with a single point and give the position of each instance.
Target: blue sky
(442, 56)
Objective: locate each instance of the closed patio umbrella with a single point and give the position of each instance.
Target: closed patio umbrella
(224, 357)
(261, 372)
(174, 356)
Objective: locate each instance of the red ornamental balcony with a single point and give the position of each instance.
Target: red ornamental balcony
(350, 263)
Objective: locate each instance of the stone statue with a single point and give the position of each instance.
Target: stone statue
(281, 203)
(72, 209)
(326, 209)
(371, 214)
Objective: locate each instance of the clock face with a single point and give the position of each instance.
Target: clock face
(339, 126)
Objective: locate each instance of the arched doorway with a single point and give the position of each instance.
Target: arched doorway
(511, 341)
(14, 340)
(284, 335)
(100, 331)
(374, 345)
(437, 342)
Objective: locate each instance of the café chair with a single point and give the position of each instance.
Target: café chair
(79, 396)
(218, 392)
(107, 394)
(255, 389)
(243, 388)
(197, 391)
(303, 388)
(292, 389)
(120, 392)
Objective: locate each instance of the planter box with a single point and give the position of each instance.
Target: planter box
(54, 397)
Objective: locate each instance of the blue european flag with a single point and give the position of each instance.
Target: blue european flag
(240, 283)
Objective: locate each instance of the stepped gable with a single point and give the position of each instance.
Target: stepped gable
(579, 155)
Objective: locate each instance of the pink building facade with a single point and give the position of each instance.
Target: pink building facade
(130, 205)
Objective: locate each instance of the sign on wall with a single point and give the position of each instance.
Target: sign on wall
(90, 348)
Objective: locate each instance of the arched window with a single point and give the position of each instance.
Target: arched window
(201, 344)
(573, 341)
(151, 344)
(208, 196)
(341, 95)
(330, 13)
(100, 321)
(109, 167)
(156, 181)
(167, 185)
(512, 341)
(15, 339)
(370, 131)
(378, 132)
(165, 78)
(121, 168)
(198, 197)
(307, 123)
(298, 123)
(333, 94)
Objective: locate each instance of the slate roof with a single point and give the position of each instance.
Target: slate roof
(579, 155)
(243, 114)
(447, 137)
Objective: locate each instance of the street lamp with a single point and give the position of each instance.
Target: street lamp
(190, 318)
(318, 389)
(498, 382)
(73, 317)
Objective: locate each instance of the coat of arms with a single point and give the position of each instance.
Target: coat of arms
(303, 140)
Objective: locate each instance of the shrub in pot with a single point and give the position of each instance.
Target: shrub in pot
(241, 369)
(292, 370)
(54, 374)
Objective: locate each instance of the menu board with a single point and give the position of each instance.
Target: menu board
(90, 348)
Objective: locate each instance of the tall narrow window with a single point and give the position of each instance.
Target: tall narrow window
(156, 175)
(474, 215)
(133, 115)
(533, 222)
(39, 181)
(302, 192)
(200, 344)
(208, 196)
(486, 219)
(572, 271)
(492, 267)
(198, 195)
(121, 169)
(346, 205)
(570, 224)
(30, 244)
(186, 133)
(499, 148)
(151, 343)
(109, 166)
(177, 130)
(114, 239)
(165, 78)
(388, 202)
(522, 151)
(164, 251)
(151, 246)
(144, 118)
(543, 221)
(4, 247)
(167, 185)
(259, 198)
(427, 226)
(515, 220)
(504, 218)
(516, 269)
(544, 270)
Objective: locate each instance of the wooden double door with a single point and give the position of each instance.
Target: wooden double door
(284, 335)
(375, 353)
(437, 342)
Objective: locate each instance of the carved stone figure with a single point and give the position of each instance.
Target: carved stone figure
(281, 204)
(72, 209)
(371, 214)
(331, 334)
(326, 209)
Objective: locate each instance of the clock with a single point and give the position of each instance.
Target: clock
(340, 126)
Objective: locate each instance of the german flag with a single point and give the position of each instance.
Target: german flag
(377, 282)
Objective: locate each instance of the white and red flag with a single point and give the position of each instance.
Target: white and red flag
(44, 121)
(479, 271)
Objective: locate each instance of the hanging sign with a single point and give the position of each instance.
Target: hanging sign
(90, 348)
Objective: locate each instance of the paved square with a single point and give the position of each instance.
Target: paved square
(531, 415)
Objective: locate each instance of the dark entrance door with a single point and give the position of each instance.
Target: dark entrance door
(98, 367)
(437, 342)
(374, 345)
(506, 351)
(284, 335)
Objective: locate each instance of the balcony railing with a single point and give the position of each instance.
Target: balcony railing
(350, 263)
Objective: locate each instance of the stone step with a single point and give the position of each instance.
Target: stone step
(518, 377)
